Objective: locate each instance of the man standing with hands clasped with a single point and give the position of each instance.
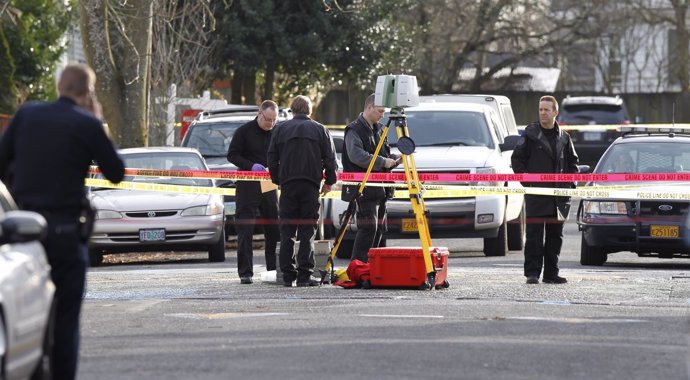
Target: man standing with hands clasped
(361, 139)
(301, 150)
(247, 151)
(545, 148)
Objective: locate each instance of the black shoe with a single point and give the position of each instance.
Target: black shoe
(288, 284)
(308, 283)
(554, 280)
(246, 280)
(532, 280)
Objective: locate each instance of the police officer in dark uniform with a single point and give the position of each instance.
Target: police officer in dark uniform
(45, 156)
(545, 148)
(247, 151)
(299, 152)
(361, 139)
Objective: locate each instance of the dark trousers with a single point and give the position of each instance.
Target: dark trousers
(69, 261)
(252, 203)
(371, 224)
(299, 211)
(543, 246)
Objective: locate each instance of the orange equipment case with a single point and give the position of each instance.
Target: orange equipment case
(404, 267)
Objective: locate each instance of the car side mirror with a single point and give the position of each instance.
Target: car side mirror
(22, 227)
(583, 168)
(509, 143)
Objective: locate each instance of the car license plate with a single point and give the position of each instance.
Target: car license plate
(152, 235)
(663, 231)
(591, 136)
(409, 225)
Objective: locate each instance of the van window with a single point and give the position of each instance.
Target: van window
(500, 131)
(509, 118)
(436, 128)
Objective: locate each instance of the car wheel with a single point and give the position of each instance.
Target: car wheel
(95, 257)
(497, 246)
(216, 254)
(345, 249)
(516, 232)
(44, 368)
(591, 255)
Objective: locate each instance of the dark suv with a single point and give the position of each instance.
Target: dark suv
(593, 122)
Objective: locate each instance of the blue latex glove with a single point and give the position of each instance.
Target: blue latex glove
(258, 168)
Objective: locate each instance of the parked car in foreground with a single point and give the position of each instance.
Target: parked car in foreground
(647, 227)
(462, 138)
(140, 221)
(26, 294)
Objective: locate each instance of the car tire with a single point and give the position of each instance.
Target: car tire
(497, 246)
(591, 255)
(345, 249)
(95, 257)
(44, 367)
(516, 232)
(216, 254)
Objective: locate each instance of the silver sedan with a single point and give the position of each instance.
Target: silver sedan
(140, 221)
(26, 294)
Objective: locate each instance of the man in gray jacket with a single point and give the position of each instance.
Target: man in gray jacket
(361, 139)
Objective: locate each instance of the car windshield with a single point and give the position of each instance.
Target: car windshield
(165, 161)
(212, 139)
(645, 157)
(592, 114)
(436, 128)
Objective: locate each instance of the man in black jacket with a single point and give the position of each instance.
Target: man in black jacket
(361, 138)
(248, 150)
(45, 155)
(545, 148)
(300, 151)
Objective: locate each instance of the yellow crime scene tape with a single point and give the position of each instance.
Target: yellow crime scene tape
(447, 191)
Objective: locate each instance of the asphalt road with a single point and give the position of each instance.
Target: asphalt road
(162, 318)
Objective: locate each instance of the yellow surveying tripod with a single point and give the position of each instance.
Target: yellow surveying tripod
(406, 146)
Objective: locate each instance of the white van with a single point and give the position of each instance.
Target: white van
(499, 103)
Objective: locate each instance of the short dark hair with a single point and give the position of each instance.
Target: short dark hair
(76, 80)
(549, 98)
(266, 104)
(301, 105)
(369, 102)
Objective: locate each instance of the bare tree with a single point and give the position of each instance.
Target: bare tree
(492, 35)
(182, 46)
(673, 15)
(117, 41)
(138, 48)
